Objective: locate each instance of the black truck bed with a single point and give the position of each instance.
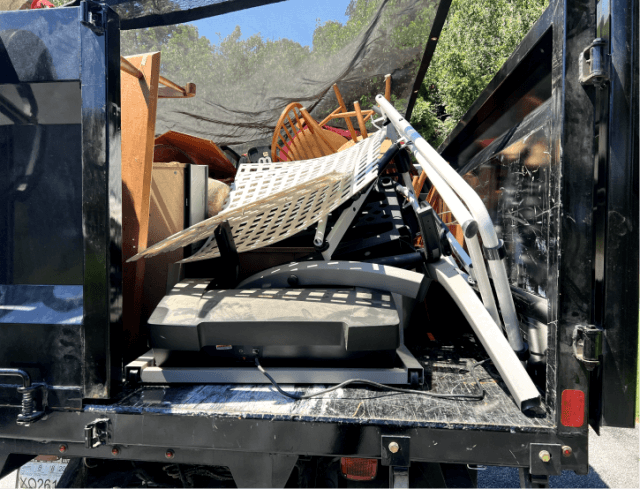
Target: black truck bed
(352, 404)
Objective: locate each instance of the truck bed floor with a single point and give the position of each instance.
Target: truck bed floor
(446, 371)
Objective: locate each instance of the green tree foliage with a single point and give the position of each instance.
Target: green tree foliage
(477, 39)
(236, 75)
(189, 57)
(330, 37)
(409, 26)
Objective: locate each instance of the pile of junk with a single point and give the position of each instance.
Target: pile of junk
(302, 262)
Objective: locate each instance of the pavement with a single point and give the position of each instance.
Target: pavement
(613, 462)
(9, 481)
(613, 457)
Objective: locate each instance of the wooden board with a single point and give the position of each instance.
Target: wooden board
(139, 99)
(166, 217)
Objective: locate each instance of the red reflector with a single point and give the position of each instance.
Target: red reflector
(572, 408)
(359, 469)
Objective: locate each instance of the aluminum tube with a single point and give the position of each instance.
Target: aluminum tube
(474, 204)
(462, 215)
(455, 181)
(460, 254)
(409, 195)
(318, 240)
(504, 297)
(496, 345)
(480, 273)
(458, 209)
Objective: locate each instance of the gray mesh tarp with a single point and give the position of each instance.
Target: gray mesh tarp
(243, 86)
(136, 14)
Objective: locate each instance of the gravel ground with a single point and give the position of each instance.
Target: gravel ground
(613, 463)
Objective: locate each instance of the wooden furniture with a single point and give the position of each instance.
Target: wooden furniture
(139, 98)
(299, 137)
(170, 89)
(342, 113)
(305, 138)
(166, 217)
(443, 212)
(177, 146)
(140, 90)
(387, 87)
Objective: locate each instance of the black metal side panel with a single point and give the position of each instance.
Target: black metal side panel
(59, 182)
(573, 149)
(101, 205)
(536, 176)
(613, 387)
(561, 185)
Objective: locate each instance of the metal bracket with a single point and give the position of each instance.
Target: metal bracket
(399, 477)
(545, 459)
(96, 433)
(396, 450)
(497, 253)
(587, 345)
(529, 480)
(592, 64)
(429, 230)
(343, 223)
(91, 16)
(30, 412)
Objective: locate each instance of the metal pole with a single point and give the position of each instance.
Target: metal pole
(478, 210)
(496, 345)
(470, 229)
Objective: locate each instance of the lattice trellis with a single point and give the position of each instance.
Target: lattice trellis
(272, 201)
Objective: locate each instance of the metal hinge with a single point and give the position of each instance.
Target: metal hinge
(96, 433)
(92, 16)
(33, 396)
(587, 345)
(592, 64)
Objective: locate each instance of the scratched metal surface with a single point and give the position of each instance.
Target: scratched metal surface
(512, 176)
(446, 372)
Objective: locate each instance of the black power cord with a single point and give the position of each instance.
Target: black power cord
(298, 397)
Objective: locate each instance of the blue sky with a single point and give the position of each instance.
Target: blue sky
(293, 19)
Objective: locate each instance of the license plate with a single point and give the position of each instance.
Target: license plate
(43, 472)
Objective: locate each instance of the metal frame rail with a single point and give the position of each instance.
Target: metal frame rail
(449, 183)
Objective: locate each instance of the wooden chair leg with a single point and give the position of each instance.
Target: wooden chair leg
(363, 129)
(387, 87)
(352, 131)
(417, 187)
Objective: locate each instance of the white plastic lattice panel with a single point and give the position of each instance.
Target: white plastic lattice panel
(269, 202)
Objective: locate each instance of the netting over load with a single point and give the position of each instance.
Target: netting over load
(270, 202)
(244, 84)
(136, 14)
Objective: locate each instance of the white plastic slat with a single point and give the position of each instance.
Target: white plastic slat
(269, 202)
